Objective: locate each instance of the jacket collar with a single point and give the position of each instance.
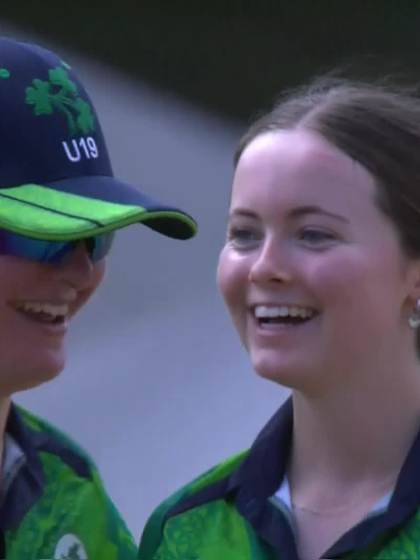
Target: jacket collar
(262, 472)
(27, 486)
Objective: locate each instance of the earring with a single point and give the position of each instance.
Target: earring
(414, 319)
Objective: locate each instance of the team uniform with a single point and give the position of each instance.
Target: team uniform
(53, 504)
(241, 510)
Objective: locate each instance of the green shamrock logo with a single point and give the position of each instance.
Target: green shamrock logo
(60, 94)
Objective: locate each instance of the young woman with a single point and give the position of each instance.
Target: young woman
(59, 207)
(321, 275)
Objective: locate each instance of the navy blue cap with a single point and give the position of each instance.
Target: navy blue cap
(56, 179)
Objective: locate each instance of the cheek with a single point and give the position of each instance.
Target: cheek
(98, 273)
(357, 283)
(232, 278)
(336, 280)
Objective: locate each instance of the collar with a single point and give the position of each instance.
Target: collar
(27, 486)
(13, 459)
(253, 484)
(263, 471)
(259, 477)
(265, 466)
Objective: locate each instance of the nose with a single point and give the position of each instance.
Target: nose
(271, 263)
(77, 268)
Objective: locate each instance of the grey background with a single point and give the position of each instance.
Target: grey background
(157, 387)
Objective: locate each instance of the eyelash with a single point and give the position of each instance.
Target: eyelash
(317, 236)
(243, 237)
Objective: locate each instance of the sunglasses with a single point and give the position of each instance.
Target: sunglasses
(52, 252)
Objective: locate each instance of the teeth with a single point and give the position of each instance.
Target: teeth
(50, 308)
(265, 312)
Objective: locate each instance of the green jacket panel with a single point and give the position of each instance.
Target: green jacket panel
(57, 506)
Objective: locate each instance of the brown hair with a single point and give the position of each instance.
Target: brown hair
(377, 125)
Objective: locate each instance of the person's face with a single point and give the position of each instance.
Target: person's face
(37, 301)
(312, 271)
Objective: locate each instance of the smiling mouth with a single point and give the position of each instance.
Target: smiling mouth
(283, 315)
(45, 313)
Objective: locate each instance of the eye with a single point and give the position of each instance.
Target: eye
(316, 237)
(242, 237)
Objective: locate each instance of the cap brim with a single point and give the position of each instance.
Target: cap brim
(85, 206)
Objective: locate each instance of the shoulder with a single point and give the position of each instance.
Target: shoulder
(183, 500)
(52, 442)
(38, 425)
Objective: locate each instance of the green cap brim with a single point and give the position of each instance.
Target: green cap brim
(45, 213)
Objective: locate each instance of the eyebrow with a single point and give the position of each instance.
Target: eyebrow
(304, 210)
(298, 212)
(243, 212)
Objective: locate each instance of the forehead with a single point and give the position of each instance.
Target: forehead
(299, 165)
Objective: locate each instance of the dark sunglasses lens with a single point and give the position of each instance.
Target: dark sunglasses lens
(51, 251)
(100, 246)
(33, 249)
(56, 251)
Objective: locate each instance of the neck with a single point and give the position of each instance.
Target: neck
(352, 445)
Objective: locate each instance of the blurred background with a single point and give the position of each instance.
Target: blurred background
(157, 387)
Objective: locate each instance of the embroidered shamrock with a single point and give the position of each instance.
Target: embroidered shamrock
(60, 94)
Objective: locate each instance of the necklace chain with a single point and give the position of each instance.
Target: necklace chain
(326, 513)
(384, 488)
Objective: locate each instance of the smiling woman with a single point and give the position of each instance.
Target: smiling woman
(319, 243)
(58, 214)
(321, 275)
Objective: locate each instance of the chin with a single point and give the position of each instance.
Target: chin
(291, 375)
(40, 372)
(283, 378)
(39, 378)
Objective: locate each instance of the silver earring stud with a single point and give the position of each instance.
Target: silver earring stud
(414, 319)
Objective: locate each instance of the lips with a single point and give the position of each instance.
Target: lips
(43, 312)
(283, 314)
